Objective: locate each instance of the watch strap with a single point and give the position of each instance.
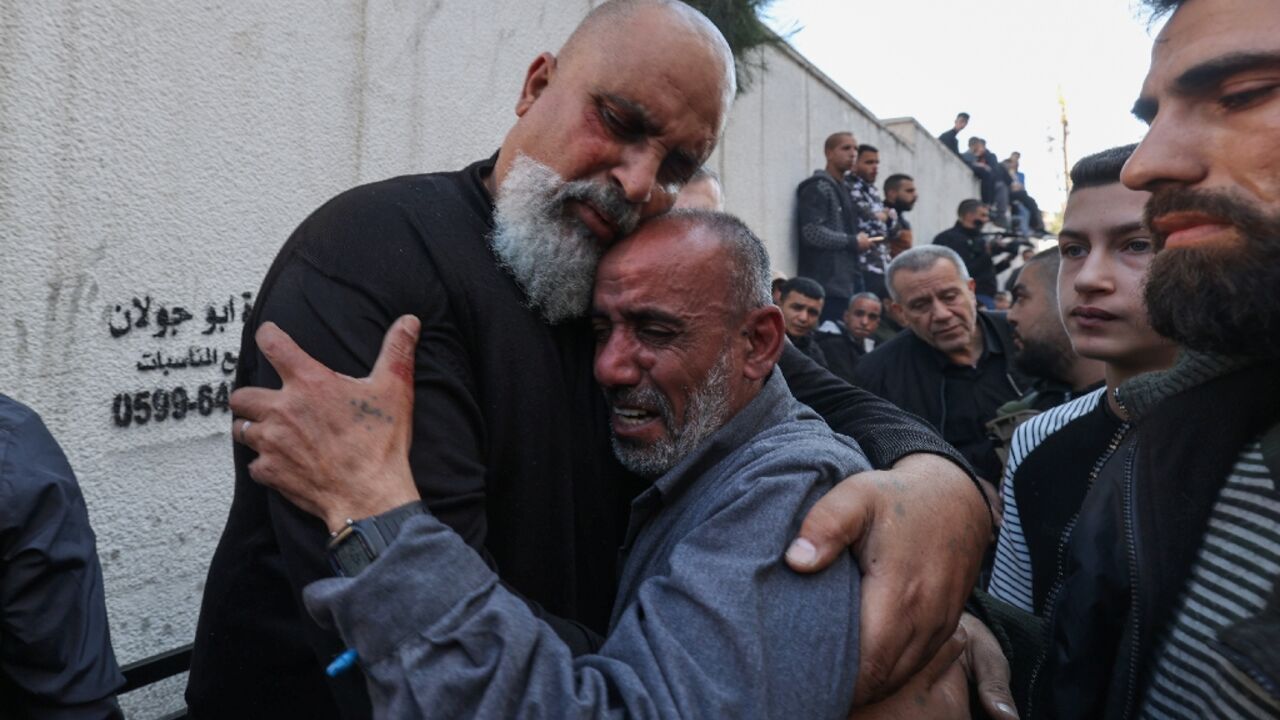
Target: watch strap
(357, 545)
(389, 523)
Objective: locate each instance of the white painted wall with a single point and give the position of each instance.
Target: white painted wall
(163, 151)
(774, 140)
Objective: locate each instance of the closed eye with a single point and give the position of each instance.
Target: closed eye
(616, 123)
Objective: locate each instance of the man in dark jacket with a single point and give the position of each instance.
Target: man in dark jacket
(830, 244)
(1170, 604)
(801, 302)
(1168, 601)
(55, 648)
(966, 239)
(845, 342)
(948, 138)
(955, 367)
(993, 176)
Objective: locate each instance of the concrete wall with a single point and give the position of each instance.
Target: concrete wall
(774, 140)
(154, 156)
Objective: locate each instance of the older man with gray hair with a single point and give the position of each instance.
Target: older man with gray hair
(708, 621)
(954, 368)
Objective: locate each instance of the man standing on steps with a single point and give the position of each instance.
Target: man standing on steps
(831, 245)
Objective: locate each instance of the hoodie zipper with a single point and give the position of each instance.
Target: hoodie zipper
(1131, 538)
(1060, 577)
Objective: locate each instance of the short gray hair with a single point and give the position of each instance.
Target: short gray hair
(920, 259)
(750, 277)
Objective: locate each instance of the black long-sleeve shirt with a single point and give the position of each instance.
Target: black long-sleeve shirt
(972, 248)
(510, 447)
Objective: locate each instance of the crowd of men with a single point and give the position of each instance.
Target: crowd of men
(1004, 185)
(561, 451)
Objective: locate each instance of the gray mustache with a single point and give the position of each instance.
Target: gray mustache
(608, 200)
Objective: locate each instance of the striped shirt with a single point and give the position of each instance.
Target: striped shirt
(1011, 573)
(1234, 573)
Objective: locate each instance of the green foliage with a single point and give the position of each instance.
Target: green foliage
(739, 21)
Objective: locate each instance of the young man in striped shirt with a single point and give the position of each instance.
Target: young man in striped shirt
(1104, 251)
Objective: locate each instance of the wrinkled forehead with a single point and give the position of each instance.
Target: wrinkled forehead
(664, 254)
(677, 77)
(939, 278)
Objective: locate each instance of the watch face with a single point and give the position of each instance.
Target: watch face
(352, 555)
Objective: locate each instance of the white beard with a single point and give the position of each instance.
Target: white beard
(552, 255)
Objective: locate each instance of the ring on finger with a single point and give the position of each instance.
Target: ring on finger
(244, 428)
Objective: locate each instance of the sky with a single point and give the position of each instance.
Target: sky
(1002, 61)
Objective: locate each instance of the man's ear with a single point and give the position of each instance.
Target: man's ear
(973, 285)
(535, 81)
(764, 331)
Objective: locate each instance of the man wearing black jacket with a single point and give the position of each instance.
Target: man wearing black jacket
(949, 139)
(844, 343)
(510, 444)
(966, 239)
(1167, 604)
(831, 245)
(1170, 603)
(954, 368)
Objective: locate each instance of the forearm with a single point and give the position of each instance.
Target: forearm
(446, 457)
(443, 637)
(415, 624)
(824, 238)
(818, 212)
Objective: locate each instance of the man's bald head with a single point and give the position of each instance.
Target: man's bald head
(606, 135)
(597, 34)
(636, 101)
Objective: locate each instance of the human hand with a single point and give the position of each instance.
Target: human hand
(335, 446)
(919, 531)
(987, 667)
(940, 691)
(864, 242)
(903, 241)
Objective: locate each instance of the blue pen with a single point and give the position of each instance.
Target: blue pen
(342, 663)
